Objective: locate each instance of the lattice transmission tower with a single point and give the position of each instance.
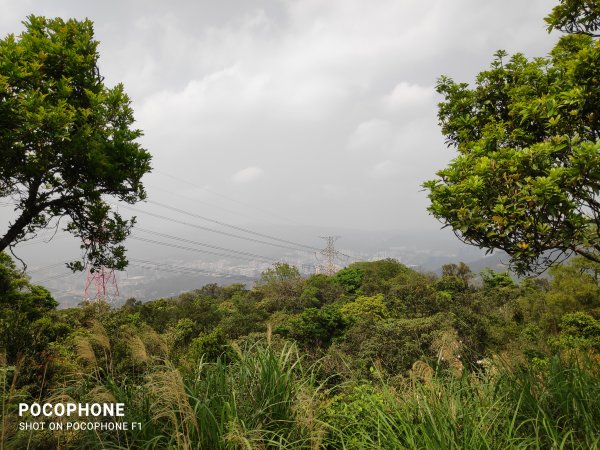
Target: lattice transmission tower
(100, 283)
(330, 254)
(104, 282)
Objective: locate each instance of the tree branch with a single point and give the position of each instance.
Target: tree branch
(588, 255)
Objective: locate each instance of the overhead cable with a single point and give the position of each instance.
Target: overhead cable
(235, 227)
(226, 197)
(212, 230)
(202, 244)
(167, 244)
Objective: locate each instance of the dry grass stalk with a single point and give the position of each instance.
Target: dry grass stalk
(100, 394)
(84, 349)
(236, 348)
(305, 407)
(422, 371)
(154, 343)
(170, 402)
(98, 334)
(241, 437)
(138, 349)
(448, 346)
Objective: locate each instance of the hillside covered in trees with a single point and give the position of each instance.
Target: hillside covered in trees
(377, 356)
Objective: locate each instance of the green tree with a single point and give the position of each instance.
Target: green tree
(495, 280)
(350, 278)
(579, 330)
(573, 288)
(526, 177)
(395, 343)
(211, 346)
(576, 16)
(579, 282)
(460, 271)
(66, 141)
(455, 278)
(377, 276)
(247, 315)
(26, 322)
(364, 308)
(281, 287)
(318, 327)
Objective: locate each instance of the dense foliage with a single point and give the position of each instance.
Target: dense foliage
(526, 179)
(377, 356)
(66, 141)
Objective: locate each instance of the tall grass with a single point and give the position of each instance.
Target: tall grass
(262, 400)
(560, 403)
(266, 399)
(440, 414)
(557, 406)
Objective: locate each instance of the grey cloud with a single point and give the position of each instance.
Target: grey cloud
(291, 86)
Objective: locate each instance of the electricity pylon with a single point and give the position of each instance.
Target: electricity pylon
(330, 254)
(105, 282)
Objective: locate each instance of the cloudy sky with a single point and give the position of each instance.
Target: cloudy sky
(317, 112)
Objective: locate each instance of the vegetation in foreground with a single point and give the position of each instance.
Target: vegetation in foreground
(377, 356)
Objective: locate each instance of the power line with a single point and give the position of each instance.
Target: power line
(212, 230)
(329, 251)
(303, 247)
(55, 277)
(176, 269)
(141, 263)
(156, 268)
(226, 197)
(64, 292)
(224, 233)
(202, 244)
(41, 240)
(235, 227)
(195, 200)
(166, 244)
(43, 268)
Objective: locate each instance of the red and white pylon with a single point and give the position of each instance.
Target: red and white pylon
(105, 282)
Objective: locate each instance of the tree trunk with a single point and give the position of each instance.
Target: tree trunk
(32, 208)
(16, 228)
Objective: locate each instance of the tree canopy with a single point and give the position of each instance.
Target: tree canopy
(526, 178)
(576, 16)
(66, 139)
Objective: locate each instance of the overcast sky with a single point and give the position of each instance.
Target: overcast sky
(321, 112)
